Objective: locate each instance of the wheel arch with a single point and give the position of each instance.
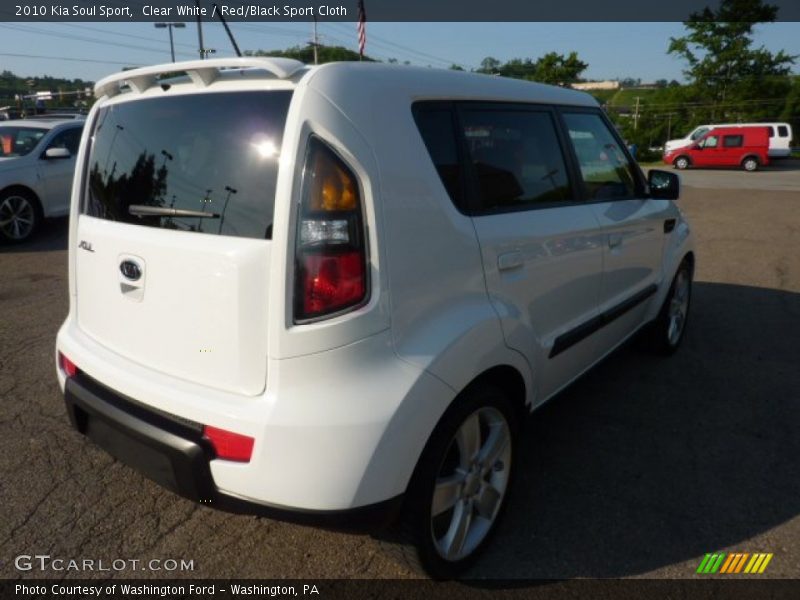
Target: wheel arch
(19, 187)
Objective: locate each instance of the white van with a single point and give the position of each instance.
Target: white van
(780, 137)
(330, 294)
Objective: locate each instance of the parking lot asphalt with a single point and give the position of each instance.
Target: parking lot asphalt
(780, 175)
(637, 470)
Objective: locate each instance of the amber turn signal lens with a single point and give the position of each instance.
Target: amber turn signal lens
(333, 188)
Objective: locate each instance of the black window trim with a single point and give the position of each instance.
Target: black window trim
(461, 204)
(469, 205)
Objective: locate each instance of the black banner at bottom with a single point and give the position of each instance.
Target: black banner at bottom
(388, 589)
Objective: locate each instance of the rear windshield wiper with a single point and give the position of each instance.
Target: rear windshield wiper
(141, 210)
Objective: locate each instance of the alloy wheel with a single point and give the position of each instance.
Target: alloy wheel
(678, 308)
(471, 484)
(17, 217)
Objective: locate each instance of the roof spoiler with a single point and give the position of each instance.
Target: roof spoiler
(201, 72)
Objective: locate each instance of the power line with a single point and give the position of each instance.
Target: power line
(79, 38)
(70, 59)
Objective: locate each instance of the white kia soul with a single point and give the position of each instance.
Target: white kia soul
(331, 294)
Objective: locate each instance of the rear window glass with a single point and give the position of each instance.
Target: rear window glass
(19, 141)
(783, 131)
(732, 141)
(206, 163)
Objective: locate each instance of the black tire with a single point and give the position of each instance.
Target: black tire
(659, 336)
(750, 164)
(682, 162)
(20, 215)
(412, 539)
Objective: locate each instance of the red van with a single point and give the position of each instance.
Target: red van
(745, 147)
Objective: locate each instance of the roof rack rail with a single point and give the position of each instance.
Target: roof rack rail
(202, 72)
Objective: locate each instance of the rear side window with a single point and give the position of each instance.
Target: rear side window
(771, 131)
(732, 141)
(783, 131)
(19, 141)
(203, 163)
(515, 157)
(436, 127)
(606, 171)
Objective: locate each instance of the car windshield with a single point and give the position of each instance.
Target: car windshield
(19, 141)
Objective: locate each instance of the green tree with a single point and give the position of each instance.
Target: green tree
(551, 68)
(305, 54)
(559, 69)
(490, 65)
(724, 69)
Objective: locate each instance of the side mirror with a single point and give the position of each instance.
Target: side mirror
(663, 185)
(56, 153)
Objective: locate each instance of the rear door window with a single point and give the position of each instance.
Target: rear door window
(202, 162)
(516, 159)
(783, 131)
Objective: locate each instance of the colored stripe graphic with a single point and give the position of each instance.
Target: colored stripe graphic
(741, 563)
(703, 563)
(765, 563)
(734, 563)
(726, 566)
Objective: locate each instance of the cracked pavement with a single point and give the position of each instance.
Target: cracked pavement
(637, 470)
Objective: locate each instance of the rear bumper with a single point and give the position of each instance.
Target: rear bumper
(172, 452)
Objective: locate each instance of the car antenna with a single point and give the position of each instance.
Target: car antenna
(227, 29)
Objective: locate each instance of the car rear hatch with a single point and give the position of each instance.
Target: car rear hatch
(174, 233)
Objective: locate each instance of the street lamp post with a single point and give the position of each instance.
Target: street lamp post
(170, 26)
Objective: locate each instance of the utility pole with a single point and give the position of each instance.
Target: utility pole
(669, 124)
(315, 42)
(636, 114)
(170, 26)
(200, 31)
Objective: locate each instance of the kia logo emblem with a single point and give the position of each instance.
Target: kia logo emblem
(130, 270)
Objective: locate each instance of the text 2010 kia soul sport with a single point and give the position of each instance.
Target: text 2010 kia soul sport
(335, 291)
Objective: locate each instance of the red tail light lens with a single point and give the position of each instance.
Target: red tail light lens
(229, 445)
(330, 267)
(69, 367)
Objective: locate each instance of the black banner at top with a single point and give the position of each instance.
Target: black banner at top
(378, 10)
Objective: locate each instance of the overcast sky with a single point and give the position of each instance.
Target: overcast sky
(613, 50)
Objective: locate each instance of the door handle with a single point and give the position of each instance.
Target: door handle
(614, 240)
(509, 260)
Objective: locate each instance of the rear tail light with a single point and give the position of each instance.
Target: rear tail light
(229, 445)
(330, 254)
(66, 365)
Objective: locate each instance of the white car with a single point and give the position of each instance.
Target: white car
(331, 294)
(37, 163)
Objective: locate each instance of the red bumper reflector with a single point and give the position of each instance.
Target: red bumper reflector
(67, 365)
(228, 445)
